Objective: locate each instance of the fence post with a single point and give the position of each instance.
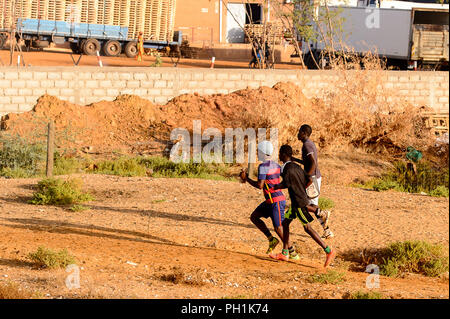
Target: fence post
(50, 148)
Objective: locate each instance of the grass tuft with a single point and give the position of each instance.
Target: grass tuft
(427, 179)
(326, 203)
(367, 295)
(410, 257)
(54, 191)
(48, 258)
(331, 277)
(11, 290)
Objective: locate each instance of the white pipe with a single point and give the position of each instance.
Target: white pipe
(220, 21)
(268, 10)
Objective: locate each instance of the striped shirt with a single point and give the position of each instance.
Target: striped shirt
(270, 173)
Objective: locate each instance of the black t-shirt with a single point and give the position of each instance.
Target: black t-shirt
(294, 178)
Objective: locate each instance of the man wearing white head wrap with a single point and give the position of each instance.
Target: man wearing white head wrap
(275, 202)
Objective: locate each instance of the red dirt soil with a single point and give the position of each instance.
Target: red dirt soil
(139, 231)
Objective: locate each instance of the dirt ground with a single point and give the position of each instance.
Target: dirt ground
(61, 57)
(139, 231)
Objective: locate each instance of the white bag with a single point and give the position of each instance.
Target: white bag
(313, 190)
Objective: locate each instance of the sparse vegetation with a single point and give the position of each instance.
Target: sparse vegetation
(410, 256)
(67, 165)
(78, 208)
(331, 277)
(54, 191)
(326, 203)
(19, 158)
(48, 258)
(366, 295)
(161, 167)
(10, 290)
(427, 179)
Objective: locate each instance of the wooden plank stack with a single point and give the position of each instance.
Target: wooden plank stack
(273, 32)
(5, 14)
(155, 18)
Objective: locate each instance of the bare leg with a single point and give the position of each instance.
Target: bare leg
(256, 220)
(314, 235)
(286, 223)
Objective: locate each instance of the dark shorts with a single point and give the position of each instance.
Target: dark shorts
(275, 211)
(300, 213)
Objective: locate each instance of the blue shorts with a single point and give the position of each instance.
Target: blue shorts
(275, 211)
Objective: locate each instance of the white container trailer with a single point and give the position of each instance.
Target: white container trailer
(413, 37)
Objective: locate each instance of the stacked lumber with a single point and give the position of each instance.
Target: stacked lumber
(137, 21)
(105, 12)
(273, 32)
(5, 14)
(155, 18)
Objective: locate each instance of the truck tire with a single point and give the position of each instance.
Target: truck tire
(131, 49)
(112, 48)
(91, 46)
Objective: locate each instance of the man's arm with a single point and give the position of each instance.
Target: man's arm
(259, 184)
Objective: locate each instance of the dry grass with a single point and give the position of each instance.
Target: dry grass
(10, 290)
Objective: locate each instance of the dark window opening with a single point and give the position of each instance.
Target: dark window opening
(253, 14)
(430, 17)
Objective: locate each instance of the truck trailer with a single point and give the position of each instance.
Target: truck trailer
(110, 27)
(409, 38)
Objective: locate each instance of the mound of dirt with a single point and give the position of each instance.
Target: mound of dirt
(135, 125)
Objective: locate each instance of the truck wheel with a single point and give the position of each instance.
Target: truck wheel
(91, 46)
(112, 48)
(131, 49)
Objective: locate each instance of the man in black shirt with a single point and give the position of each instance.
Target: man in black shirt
(295, 180)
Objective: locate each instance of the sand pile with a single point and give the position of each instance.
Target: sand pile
(134, 125)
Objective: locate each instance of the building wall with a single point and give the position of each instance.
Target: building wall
(199, 20)
(20, 88)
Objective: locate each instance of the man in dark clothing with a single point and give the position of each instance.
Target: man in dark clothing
(295, 180)
(311, 167)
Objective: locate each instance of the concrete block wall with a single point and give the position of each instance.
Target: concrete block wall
(21, 87)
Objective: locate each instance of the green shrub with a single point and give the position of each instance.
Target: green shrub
(367, 295)
(428, 179)
(67, 165)
(326, 203)
(19, 158)
(54, 191)
(48, 258)
(124, 166)
(440, 191)
(411, 256)
(330, 277)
